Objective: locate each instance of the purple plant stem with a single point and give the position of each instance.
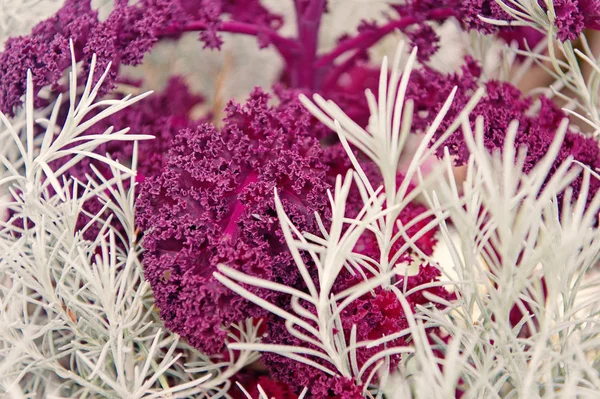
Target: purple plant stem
(300, 54)
(309, 21)
(286, 47)
(367, 39)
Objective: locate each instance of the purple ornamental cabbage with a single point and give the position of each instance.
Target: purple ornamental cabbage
(124, 38)
(127, 34)
(502, 104)
(572, 16)
(213, 203)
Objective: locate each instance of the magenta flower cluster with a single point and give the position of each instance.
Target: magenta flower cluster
(206, 193)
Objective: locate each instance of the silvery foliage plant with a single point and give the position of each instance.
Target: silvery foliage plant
(77, 317)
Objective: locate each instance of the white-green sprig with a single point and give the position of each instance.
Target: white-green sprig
(76, 316)
(316, 313)
(563, 61)
(523, 324)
